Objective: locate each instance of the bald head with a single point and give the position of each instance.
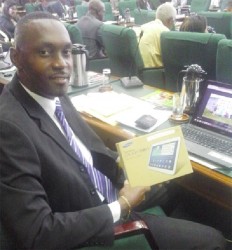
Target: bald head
(97, 9)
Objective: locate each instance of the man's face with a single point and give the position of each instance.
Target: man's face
(44, 59)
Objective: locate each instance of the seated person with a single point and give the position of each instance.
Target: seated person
(145, 5)
(194, 23)
(61, 187)
(9, 17)
(149, 45)
(90, 27)
(42, 6)
(59, 7)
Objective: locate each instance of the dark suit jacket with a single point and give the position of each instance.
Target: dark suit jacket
(90, 28)
(7, 26)
(56, 7)
(47, 198)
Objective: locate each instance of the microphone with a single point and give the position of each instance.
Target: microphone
(132, 81)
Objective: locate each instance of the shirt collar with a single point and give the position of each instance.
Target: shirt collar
(49, 105)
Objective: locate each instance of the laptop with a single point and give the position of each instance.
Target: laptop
(212, 122)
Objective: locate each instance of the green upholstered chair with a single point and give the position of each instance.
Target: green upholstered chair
(81, 10)
(200, 5)
(131, 4)
(224, 61)
(77, 2)
(30, 7)
(121, 45)
(180, 49)
(74, 33)
(220, 21)
(143, 16)
(108, 16)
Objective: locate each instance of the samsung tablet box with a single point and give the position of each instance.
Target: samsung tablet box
(155, 157)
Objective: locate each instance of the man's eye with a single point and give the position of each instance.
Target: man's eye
(44, 52)
(67, 52)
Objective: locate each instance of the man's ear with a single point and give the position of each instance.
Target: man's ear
(14, 56)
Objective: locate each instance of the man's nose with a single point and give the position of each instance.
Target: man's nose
(59, 61)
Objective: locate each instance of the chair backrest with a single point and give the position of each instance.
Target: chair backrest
(180, 49)
(200, 5)
(30, 7)
(224, 61)
(122, 49)
(74, 33)
(220, 21)
(81, 10)
(108, 16)
(143, 16)
(122, 6)
(77, 2)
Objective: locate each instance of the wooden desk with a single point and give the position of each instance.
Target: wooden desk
(207, 183)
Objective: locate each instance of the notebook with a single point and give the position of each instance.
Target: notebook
(212, 121)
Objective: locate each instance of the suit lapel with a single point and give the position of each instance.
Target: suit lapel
(41, 118)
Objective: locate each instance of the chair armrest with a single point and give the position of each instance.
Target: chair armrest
(135, 228)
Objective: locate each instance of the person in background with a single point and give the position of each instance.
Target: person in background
(90, 27)
(42, 6)
(59, 7)
(50, 159)
(229, 6)
(9, 17)
(145, 5)
(149, 45)
(194, 23)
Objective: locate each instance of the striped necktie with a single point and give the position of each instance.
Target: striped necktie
(100, 181)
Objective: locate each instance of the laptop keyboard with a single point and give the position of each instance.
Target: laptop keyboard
(202, 138)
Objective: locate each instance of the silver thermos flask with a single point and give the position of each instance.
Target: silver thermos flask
(79, 75)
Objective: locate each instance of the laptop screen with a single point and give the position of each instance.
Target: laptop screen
(214, 111)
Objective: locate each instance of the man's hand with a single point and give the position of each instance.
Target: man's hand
(130, 197)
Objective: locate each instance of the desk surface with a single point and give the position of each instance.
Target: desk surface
(210, 184)
(205, 182)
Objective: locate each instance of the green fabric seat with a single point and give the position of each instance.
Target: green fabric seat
(143, 16)
(224, 61)
(220, 21)
(74, 33)
(200, 5)
(121, 45)
(180, 49)
(108, 16)
(81, 10)
(30, 7)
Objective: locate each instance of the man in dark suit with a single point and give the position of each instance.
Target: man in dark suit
(48, 200)
(90, 27)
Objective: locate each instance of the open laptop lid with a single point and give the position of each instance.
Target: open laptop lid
(214, 111)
